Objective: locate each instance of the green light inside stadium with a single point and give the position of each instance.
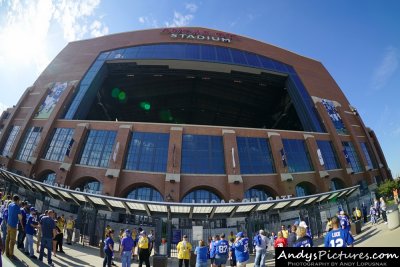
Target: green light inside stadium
(115, 92)
(122, 96)
(145, 105)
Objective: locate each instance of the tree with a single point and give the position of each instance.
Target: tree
(386, 189)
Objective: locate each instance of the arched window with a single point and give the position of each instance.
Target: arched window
(257, 193)
(337, 184)
(92, 186)
(49, 178)
(201, 196)
(304, 189)
(145, 193)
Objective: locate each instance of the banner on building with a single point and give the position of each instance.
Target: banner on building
(52, 98)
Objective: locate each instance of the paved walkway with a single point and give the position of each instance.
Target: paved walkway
(84, 256)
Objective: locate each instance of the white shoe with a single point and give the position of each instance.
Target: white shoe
(385, 222)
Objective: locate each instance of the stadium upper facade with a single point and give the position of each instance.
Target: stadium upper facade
(188, 115)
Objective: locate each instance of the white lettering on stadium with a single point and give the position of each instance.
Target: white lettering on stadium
(200, 37)
(255, 199)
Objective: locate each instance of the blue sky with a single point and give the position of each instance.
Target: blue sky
(357, 41)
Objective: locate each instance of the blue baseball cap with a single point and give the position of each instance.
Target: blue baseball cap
(32, 209)
(240, 234)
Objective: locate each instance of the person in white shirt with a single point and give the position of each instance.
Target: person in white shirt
(261, 242)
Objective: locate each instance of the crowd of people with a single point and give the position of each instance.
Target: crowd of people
(20, 222)
(20, 217)
(132, 243)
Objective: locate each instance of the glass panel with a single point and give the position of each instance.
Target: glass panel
(353, 157)
(29, 143)
(223, 54)
(148, 152)
(208, 53)
(98, 148)
(329, 156)
(298, 158)
(49, 178)
(238, 57)
(10, 140)
(257, 194)
(202, 154)
(255, 155)
(57, 147)
(369, 156)
(145, 193)
(200, 196)
(252, 59)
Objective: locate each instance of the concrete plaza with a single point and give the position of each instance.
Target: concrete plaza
(84, 256)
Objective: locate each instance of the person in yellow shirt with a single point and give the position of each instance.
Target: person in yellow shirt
(143, 249)
(70, 229)
(184, 248)
(285, 233)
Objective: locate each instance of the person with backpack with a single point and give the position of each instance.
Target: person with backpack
(261, 244)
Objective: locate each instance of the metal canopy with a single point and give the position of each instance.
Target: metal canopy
(173, 209)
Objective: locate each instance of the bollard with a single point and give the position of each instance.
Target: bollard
(101, 246)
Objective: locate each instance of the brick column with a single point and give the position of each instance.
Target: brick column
(321, 173)
(117, 160)
(64, 172)
(275, 141)
(232, 168)
(173, 175)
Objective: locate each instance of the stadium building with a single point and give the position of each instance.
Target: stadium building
(188, 115)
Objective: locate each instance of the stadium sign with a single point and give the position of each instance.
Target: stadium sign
(244, 200)
(187, 34)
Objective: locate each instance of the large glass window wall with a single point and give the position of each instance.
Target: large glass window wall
(298, 158)
(148, 152)
(59, 143)
(98, 148)
(203, 154)
(255, 155)
(207, 53)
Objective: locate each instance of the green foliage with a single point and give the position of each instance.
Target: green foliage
(386, 189)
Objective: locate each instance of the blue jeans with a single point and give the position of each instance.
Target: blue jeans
(46, 243)
(29, 244)
(259, 261)
(4, 232)
(126, 258)
(201, 264)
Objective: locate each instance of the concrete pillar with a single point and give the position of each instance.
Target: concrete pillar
(173, 176)
(232, 167)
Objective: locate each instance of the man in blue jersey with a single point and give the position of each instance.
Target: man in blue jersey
(344, 221)
(241, 250)
(221, 251)
(212, 251)
(303, 240)
(338, 237)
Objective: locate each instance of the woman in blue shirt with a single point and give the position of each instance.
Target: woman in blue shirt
(108, 249)
(201, 252)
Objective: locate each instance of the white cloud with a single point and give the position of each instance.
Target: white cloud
(191, 7)
(3, 107)
(98, 29)
(386, 69)
(179, 20)
(27, 25)
(148, 21)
